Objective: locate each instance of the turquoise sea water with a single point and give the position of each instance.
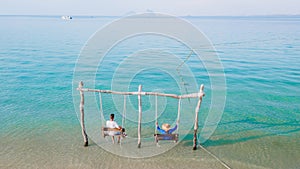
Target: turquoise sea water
(260, 124)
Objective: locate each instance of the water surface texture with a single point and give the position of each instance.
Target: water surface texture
(260, 127)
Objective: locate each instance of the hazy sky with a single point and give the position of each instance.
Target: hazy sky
(173, 7)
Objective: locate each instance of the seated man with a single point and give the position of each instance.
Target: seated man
(112, 124)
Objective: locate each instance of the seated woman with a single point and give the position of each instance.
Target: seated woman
(166, 128)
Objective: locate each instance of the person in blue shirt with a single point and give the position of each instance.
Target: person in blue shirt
(166, 128)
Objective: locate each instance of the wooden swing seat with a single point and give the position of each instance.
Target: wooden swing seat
(166, 137)
(105, 131)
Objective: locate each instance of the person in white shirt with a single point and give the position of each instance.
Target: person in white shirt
(112, 124)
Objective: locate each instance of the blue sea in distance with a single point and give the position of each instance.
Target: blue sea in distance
(260, 126)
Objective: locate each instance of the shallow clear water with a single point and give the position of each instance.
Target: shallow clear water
(260, 124)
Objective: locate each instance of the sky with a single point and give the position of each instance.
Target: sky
(172, 7)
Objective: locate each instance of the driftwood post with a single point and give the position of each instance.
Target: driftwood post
(140, 115)
(85, 138)
(196, 116)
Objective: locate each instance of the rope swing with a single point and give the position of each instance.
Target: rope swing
(156, 112)
(124, 112)
(178, 113)
(101, 108)
(167, 136)
(106, 129)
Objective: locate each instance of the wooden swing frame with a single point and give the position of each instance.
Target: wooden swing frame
(139, 93)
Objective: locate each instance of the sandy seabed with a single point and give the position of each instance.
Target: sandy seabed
(60, 149)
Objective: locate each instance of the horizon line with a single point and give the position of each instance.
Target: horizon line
(54, 15)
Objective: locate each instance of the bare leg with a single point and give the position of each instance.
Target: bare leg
(113, 139)
(119, 138)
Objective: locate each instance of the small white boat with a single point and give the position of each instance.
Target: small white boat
(66, 17)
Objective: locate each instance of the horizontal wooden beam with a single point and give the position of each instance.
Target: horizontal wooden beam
(192, 95)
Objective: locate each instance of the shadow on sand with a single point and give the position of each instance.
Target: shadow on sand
(269, 129)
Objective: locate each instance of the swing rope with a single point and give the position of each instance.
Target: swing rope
(178, 114)
(102, 113)
(156, 114)
(124, 112)
(101, 107)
